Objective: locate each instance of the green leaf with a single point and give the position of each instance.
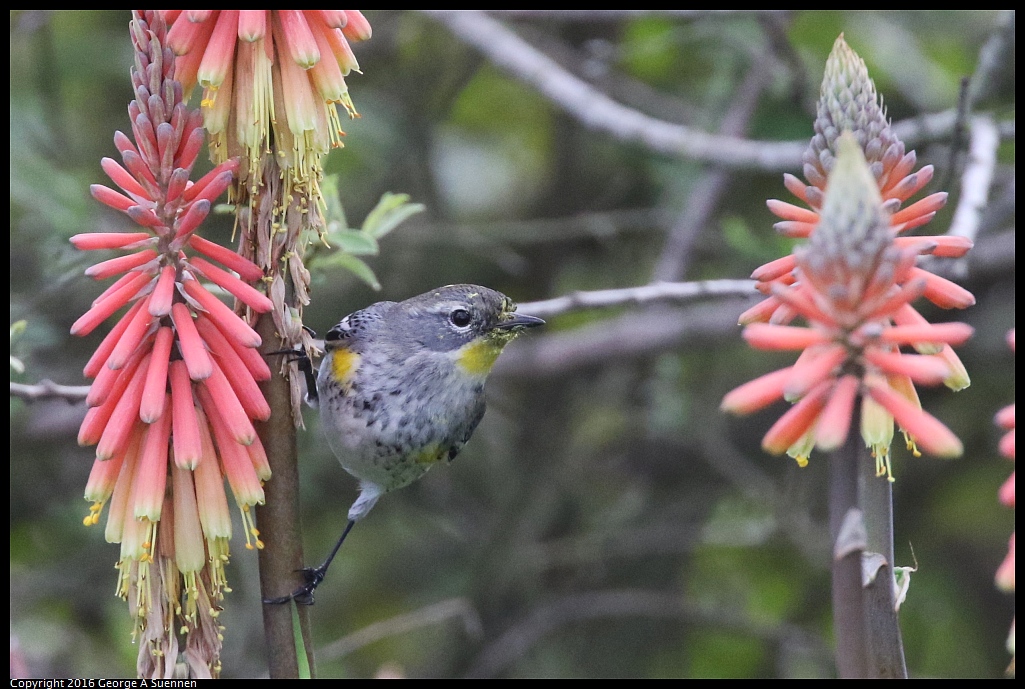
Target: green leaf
(302, 660)
(333, 212)
(390, 212)
(17, 328)
(356, 267)
(354, 242)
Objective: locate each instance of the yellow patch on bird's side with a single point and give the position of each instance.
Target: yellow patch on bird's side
(344, 363)
(478, 357)
(432, 454)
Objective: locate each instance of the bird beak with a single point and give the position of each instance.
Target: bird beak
(518, 321)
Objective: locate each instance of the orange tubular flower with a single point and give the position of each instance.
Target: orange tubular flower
(852, 282)
(170, 364)
(849, 102)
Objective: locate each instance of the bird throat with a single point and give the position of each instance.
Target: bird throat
(479, 356)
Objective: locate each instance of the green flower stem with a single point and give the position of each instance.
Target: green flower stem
(844, 527)
(885, 646)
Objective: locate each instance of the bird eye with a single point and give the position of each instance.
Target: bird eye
(460, 318)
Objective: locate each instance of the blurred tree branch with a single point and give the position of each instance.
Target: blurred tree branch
(645, 294)
(976, 179)
(597, 111)
(518, 640)
(619, 15)
(426, 616)
(47, 389)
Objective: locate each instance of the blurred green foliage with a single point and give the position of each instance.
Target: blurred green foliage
(605, 520)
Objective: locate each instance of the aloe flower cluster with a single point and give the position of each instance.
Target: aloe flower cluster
(271, 81)
(174, 393)
(270, 78)
(848, 102)
(852, 281)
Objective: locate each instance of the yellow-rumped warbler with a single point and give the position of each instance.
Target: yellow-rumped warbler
(401, 387)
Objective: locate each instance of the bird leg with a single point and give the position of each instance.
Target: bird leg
(312, 576)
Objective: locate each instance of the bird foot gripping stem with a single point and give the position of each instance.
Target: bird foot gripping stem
(305, 364)
(312, 576)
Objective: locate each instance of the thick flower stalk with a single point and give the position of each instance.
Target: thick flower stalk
(854, 284)
(271, 80)
(848, 102)
(174, 395)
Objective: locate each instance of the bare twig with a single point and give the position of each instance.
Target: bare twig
(47, 389)
(597, 111)
(645, 294)
(400, 624)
